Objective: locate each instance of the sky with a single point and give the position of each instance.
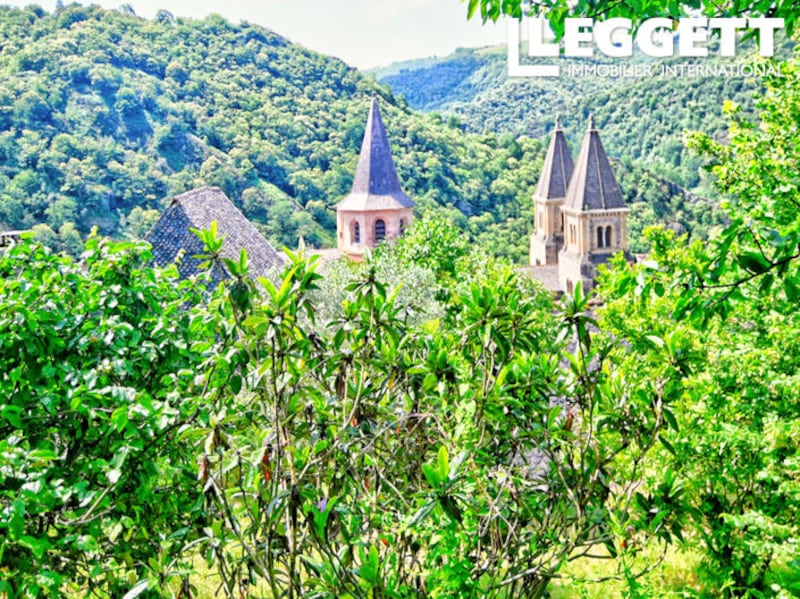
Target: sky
(363, 33)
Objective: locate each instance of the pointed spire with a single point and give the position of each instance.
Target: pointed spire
(557, 168)
(593, 185)
(376, 186)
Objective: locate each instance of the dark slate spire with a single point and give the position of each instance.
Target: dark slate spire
(593, 185)
(557, 169)
(376, 186)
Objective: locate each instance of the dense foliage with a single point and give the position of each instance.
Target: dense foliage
(97, 465)
(427, 424)
(380, 452)
(106, 115)
(739, 424)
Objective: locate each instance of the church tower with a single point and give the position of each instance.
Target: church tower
(595, 216)
(376, 208)
(548, 237)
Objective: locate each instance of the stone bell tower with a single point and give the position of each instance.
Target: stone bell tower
(551, 191)
(595, 216)
(376, 209)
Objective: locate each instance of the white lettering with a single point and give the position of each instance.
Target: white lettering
(766, 34)
(604, 37)
(727, 33)
(690, 32)
(655, 37)
(577, 31)
(647, 32)
(515, 66)
(537, 45)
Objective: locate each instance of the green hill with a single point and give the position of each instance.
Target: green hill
(104, 115)
(643, 119)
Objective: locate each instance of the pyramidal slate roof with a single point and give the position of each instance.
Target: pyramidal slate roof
(376, 186)
(198, 209)
(593, 185)
(557, 169)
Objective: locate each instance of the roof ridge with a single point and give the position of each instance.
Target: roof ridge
(557, 168)
(594, 135)
(594, 185)
(197, 208)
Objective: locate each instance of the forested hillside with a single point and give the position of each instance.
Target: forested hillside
(642, 119)
(105, 115)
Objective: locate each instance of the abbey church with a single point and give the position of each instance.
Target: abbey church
(581, 219)
(376, 209)
(580, 213)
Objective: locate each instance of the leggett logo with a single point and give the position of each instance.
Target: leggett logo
(657, 38)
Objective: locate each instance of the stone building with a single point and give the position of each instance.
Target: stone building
(197, 209)
(551, 191)
(376, 209)
(584, 227)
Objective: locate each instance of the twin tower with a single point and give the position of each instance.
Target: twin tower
(581, 216)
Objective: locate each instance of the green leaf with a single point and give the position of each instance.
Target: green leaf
(37, 546)
(670, 418)
(87, 543)
(139, 588)
(659, 518)
(667, 445)
(119, 418)
(754, 262)
(236, 384)
(443, 463)
(432, 474)
(791, 289)
(420, 514)
(12, 415)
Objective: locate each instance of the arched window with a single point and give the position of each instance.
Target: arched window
(541, 221)
(380, 230)
(561, 230)
(608, 236)
(402, 226)
(600, 237)
(356, 232)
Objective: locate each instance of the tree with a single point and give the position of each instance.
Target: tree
(70, 239)
(98, 486)
(140, 221)
(46, 236)
(62, 211)
(736, 439)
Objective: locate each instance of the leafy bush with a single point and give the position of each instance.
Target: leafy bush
(99, 395)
